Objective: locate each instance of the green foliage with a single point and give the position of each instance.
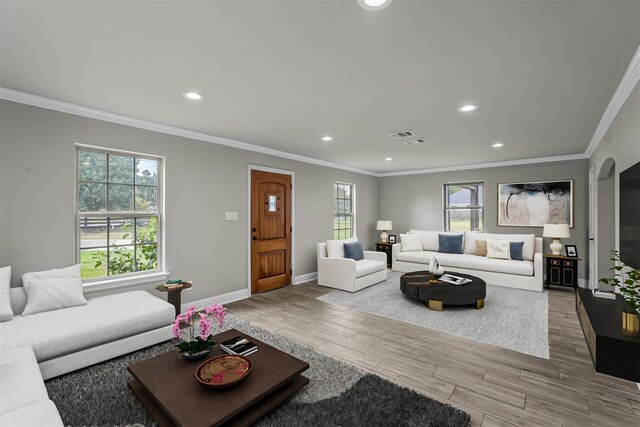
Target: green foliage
(196, 346)
(627, 280)
(123, 259)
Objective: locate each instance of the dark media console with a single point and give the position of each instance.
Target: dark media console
(612, 352)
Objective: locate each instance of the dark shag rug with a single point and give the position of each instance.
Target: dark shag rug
(339, 394)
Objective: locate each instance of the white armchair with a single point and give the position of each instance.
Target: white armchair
(349, 275)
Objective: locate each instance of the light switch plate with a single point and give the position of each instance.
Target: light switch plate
(231, 216)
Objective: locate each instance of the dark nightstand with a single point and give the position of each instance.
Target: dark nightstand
(561, 270)
(386, 248)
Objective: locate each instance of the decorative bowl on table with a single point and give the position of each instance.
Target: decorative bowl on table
(223, 371)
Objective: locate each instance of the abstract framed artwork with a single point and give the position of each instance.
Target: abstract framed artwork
(534, 204)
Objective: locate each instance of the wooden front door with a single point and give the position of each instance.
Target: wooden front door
(270, 231)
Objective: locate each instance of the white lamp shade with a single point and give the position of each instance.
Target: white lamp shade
(556, 231)
(384, 225)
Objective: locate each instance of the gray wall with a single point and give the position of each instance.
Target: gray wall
(203, 180)
(416, 201)
(621, 145)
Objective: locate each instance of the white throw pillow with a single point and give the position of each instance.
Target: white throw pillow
(528, 249)
(335, 248)
(500, 249)
(72, 272)
(5, 295)
(429, 239)
(411, 242)
(52, 294)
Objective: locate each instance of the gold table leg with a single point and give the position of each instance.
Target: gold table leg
(434, 305)
(479, 303)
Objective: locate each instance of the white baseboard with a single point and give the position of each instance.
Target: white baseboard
(218, 299)
(304, 278)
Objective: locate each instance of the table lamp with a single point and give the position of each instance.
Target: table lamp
(556, 232)
(384, 225)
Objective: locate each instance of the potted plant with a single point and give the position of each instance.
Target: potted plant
(194, 333)
(627, 282)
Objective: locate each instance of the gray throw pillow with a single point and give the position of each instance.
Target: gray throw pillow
(52, 294)
(353, 251)
(450, 243)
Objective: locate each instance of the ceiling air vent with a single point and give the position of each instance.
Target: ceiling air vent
(402, 134)
(414, 141)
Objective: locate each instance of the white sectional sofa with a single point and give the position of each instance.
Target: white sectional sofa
(44, 345)
(526, 274)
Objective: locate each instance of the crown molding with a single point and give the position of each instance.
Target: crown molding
(92, 113)
(489, 165)
(626, 86)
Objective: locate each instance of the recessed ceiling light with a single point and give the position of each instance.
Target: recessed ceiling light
(388, 159)
(467, 108)
(374, 4)
(327, 138)
(497, 145)
(193, 95)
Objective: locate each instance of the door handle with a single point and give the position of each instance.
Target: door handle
(254, 238)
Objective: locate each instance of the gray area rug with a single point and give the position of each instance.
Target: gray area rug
(339, 394)
(511, 318)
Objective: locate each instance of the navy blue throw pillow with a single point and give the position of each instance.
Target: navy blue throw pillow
(450, 243)
(353, 251)
(516, 250)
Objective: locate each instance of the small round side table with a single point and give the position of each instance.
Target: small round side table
(173, 294)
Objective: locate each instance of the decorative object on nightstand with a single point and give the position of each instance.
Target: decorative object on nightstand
(392, 238)
(556, 232)
(384, 226)
(174, 288)
(386, 248)
(571, 251)
(561, 270)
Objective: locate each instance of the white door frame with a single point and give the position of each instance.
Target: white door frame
(293, 218)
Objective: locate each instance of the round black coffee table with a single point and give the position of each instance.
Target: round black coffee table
(419, 285)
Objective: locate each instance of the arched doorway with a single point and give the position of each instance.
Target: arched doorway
(606, 220)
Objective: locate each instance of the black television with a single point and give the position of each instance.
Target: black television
(630, 216)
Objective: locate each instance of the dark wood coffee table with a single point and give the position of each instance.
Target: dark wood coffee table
(422, 286)
(167, 387)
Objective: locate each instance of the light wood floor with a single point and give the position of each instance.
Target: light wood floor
(497, 387)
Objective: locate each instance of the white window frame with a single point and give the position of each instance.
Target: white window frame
(353, 208)
(139, 277)
(446, 208)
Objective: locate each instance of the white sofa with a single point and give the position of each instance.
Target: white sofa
(40, 346)
(526, 274)
(349, 275)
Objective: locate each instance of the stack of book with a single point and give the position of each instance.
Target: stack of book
(239, 345)
(454, 280)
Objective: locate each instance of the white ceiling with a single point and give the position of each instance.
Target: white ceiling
(282, 74)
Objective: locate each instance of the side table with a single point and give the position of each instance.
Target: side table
(386, 248)
(561, 270)
(174, 294)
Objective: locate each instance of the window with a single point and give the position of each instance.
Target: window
(463, 207)
(343, 210)
(119, 213)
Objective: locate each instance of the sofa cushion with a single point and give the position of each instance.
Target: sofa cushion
(528, 248)
(20, 380)
(335, 248)
(429, 239)
(410, 242)
(52, 294)
(42, 414)
(515, 250)
(105, 319)
(364, 267)
(498, 249)
(450, 243)
(423, 257)
(353, 251)
(5, 296)
(481, 248)
(472, 262)
(18, 300)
